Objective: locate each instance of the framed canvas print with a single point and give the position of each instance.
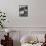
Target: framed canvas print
(23, 10)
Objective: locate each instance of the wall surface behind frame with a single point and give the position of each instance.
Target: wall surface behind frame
(36, 16)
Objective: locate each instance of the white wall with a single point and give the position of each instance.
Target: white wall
(36, 18)
(39, 13)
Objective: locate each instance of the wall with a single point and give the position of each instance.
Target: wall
(36, 16)
(39, 13)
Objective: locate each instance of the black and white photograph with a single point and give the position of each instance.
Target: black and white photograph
(23, 10)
